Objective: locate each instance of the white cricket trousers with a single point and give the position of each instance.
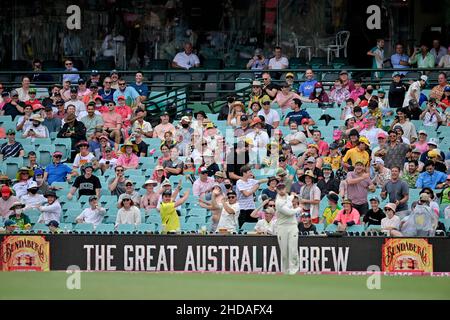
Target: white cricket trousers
(288, 242)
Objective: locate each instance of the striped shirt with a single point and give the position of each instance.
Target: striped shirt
(10, 150)
(245, 203)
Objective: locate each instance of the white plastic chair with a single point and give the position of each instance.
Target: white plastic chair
(299, 48)
(340, 43)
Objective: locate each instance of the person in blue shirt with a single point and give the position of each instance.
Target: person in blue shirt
(399, 59)
(307, 87)
(431, 178)
(107, 93)
(57, 171)
(130, 93)
(297, 115)
(73, 78)
(140, 86)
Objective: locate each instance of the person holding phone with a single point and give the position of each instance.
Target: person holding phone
(431, 116)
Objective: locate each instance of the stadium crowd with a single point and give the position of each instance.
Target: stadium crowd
(381, 166)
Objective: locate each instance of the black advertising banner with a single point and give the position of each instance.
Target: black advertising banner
(217, 253)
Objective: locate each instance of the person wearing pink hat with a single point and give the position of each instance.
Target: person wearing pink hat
(6, 201)
(124, 111)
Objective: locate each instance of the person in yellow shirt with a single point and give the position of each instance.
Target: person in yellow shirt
(358, 153)
(169, 216)
(334, 158)
(331, 210)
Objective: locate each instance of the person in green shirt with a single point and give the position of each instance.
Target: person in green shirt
(422, 57)
(410, 176)
(21, 219)
(331, 210)
(53, 227)
(446, 192)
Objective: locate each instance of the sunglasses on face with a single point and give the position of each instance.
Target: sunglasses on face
(126, 199)
(69, 64)
(231, 197)
(107, 82)
(121, 84)
(271, 206)
(119, 170)
(57, 156)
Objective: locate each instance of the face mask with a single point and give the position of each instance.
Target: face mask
(369, 91)
(185, 125)
(36, 125)
(319, 90)
(294, 131)
(33, 191)
(326, 175)
(98, 105)
(228, 186)
(18, 211)
(39, 180)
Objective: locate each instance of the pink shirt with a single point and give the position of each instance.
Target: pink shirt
(356, 93)
(422, 147)
(324, 150)
(129, 162)
(280, 98)
(110, 121)
(5, 205)
(160, 129)
(344, 218)
(125, 112)
(200, 187)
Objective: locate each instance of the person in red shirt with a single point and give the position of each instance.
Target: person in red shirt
(33, 101)
(124, 111)
(445, 100)
(100, 104)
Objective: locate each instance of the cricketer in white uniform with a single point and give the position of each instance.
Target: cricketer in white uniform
(287, 230)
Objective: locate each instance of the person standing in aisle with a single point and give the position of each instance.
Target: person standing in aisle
(287, 231)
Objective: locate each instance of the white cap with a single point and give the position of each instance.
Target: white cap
(424, 78)
(349, 116)
(32, 184)
(378, 160)
(433, 141)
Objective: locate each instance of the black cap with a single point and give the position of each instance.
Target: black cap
(94, 73)
(48, 108)
(357, 109)
(167, 193)
(81, 80)
(92, 198)
(333, 197)
(5, 94)
(93, 85)
(73, 90)
(353, 132)
(59, 102)
(244, 117)
(53, 223)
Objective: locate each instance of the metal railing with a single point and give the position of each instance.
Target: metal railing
(211, 87)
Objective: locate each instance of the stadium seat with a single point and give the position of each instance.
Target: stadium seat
(10, 166)
(126, 228)
(84, 228)
(320, 227)
(71, 214)
(188, 227)
(356, 228)
(63, 145)
(248, 226)
(40, 228)
(146, 227)
(105, 228)
(154, 218)
(33, 214)
(110, 218)
(66, 227)
(446, 222)
(44, 154)
(331, 228)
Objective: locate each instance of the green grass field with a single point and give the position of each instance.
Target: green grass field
(168, 286)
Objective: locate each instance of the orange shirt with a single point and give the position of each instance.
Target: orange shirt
(110, 121)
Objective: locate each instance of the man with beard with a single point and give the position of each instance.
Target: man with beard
(329, 181)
